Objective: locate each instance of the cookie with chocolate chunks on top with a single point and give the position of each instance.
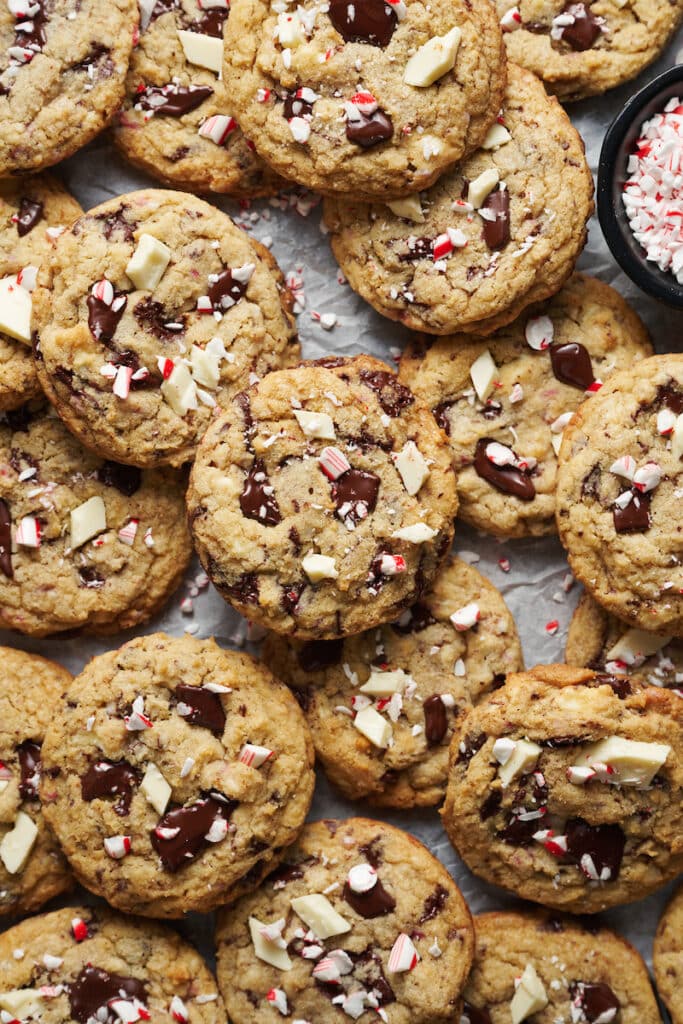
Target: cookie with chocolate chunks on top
(360, 920)
(175, 775)
(619, 510)
(565, 788)
(417, 674)
(667, 956)
(322, 499)
(497, 233)
(505, 401)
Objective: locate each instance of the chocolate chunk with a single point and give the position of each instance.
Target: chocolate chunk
(205, 707)
(188, 827)
(93, 990)
(376, 902)
(491, 804)
(152, 316)
(355, 494)
(103, 319)
(115, 224)
(440, 414)
(111, 778)
(296, 106)
(590, 485)
(496, 233)
(284, 874)
(97, 55)
(670, 395)
(434, 904)
(5, 540)
(291, 595)
(243, 402)
(635, 518)
(30, 212)
(414, 620)
(594, 999)
(471, 1015)
(436, 722)
(212, 22)
(604, 844)
(244, 589)
(365, 21)
(173, 100)
(572, 365)
(519, 831)
(372, 851)
(620, 685)
(225, 290)
(368, 971)
(163, 7)
(393, 397)
(418, 249)
(585, 29)
(508, 479)
(317, 655)
(469, 747)
(370, 129)
(257, 499)
(29, 765)
(18, 420)
(126, 479)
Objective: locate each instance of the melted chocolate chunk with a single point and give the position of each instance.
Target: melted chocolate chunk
(126, 479)
(620, 685)
(496, 233)
(97, 55)
(33, 37)
(519, 832)
(5, 540)
(440, 414)
(152, 316)
(93, 990)
(471, 1015)
(296, 106)
(635, 518)
(594, 999)
(508, 479)
(585, 29)
(30, 212)
(284, 874)
(317, 655)
(436, 721)
(205, 706)
(469, 747)
(188, 827)
(90, 577)
(590, 485)
(393, 397)
(291, 595)
(257, 500)
(491, 804)
(18, 420)
(355, 494)
(29, 765)
(245, 589)
(418, 249)
(370, 129)
(111, 778)
(572, 365)
(604, 844)
(434, 904)
(173, 100)
(212, 22)
(372, 851)
(414, 620)
(103, 319)
(368, 971)
(163, 7)
(366, 21)
(243, 403)
(670, 395)
(376, 902)
(226, 290)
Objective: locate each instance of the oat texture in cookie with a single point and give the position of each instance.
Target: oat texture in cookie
(177, 120)
(33, 213)
(155, 310)
(667, 957)
(565, 788)
(619, 492)
(83, 964)
(505, 401)
(62, 69)
(382, 706)
(581, 49)
(175, 775)
(322, 500)
(359, 922)
(85, 543)
(368, 99)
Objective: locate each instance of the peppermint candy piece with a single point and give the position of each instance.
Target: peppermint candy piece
(647, 477)
(178, 1010)
(137, 721)
(217, 128)
(466, 617)
(28, 532)
(278, 998)
(403, 956)
(332, 968)
(254, 756)
(539, 332)
(362, 878)
(333, 463)
(117, 847)
(79, 929)
(511, 20)
(624, 466)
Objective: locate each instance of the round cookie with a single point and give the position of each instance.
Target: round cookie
(522, 399)
(419, 673)
(175, 775)
(602, 642)
(619, 494)
(582, 49)
(84, 543)
(62, 71)
(33, 211)
(438, 264)
(667, 957)
(362, 922)
(85, 963)
(176, 121)
(374, 100)
(32, 867)
(549, 798)
(585, 975)
(322, 500)
(154, 310)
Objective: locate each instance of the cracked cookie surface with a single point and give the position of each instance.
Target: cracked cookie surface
(667, 956)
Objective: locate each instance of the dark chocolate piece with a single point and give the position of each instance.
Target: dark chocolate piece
(572, 365)
(507, 479)
(436, 722)
(30, 212)
(257, 499)
(111, 778)
(363, 21)
(93, 990)
(205, 706)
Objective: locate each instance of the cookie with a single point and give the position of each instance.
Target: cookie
(85, 543)
(565, 788)
(83, 964)
(582, 49)
(516, 391)
(604, 643)
(376, 100)
(361, 921)
(667, 957)
(569, 974)
(322, 499)
(62, 70)
(32, 867)
(176, 122)
(33, 212)
(155, 310)
(493, 236)
(416, 675)
(175, 775)
(619, 494)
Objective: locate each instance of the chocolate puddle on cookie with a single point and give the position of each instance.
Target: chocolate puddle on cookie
(183, 832)
(366, 21)
(257, 500)
(111, 778)
(94, 989)
(200, 706)
(173, 100)
(508, 478)
(572, 365)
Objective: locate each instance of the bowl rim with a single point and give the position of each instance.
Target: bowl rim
(623, 245)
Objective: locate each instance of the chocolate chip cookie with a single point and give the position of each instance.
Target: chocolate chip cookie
(85, 543)
(175, 775)
(84, 963)
(360, 921)
(154, 310)
(505, 401)
(501, 231)
(33, 213)
(382, 705)
(619, 490)
(565, 788)
(32, 867)
(667, 957)
(322, 499)
(374, 99)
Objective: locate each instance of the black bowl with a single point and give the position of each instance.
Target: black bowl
(619, 144)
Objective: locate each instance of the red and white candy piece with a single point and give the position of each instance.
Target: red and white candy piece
(331, 969)
(117, 846)
(28, 532)
(624, 466)
(666, 421)
(104, 291)
(362, 878)
(278, 998)
(466, 617)
(27, 277)
(254, 756)
(127, 533)
(273, 933)
(218, 831)
(333, 463)
(399, 8)
(500, 455)
(365, 102)
(511, 20)
(79, 929)
(122, 381)
(392, 565)
(579, 775)
(129, 1010)
(137, 720)
(403, 956)
(539, 333)
(178, 1010)
(217, 128)
(647, 477)
(452, 238)
(557, 845)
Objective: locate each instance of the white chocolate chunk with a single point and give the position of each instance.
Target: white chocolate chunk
(156, 788)
(530, 996)
(319, 567)
(409, 208)
(627, 762)
(290, 30)
(635, 646)
(556, 441)
(22, 1003)
(266, 950)
(677, 438)
(385, 684)
(496, 137)
(147, 265)
(317, 912)
(18, 843)
(180, 390)
(480, 188)
(417, 533)
(206, 362)
(315, 424)
(412, 467)
(203, 51)
(375, 728)
(15, 310)
(522, 759)
(483, 373)
(433, 60)
(87, 521)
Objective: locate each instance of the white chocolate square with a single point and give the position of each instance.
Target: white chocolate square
(15, 310)
(522, 759)
(530, 996)
(202, 51)
(483, 373)
(147, 265)
(316, 911)
(268, 951)
(315, 424)
(156, 788)
(17, 844)
(87, 520)
(375, 728)
(433, 60)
